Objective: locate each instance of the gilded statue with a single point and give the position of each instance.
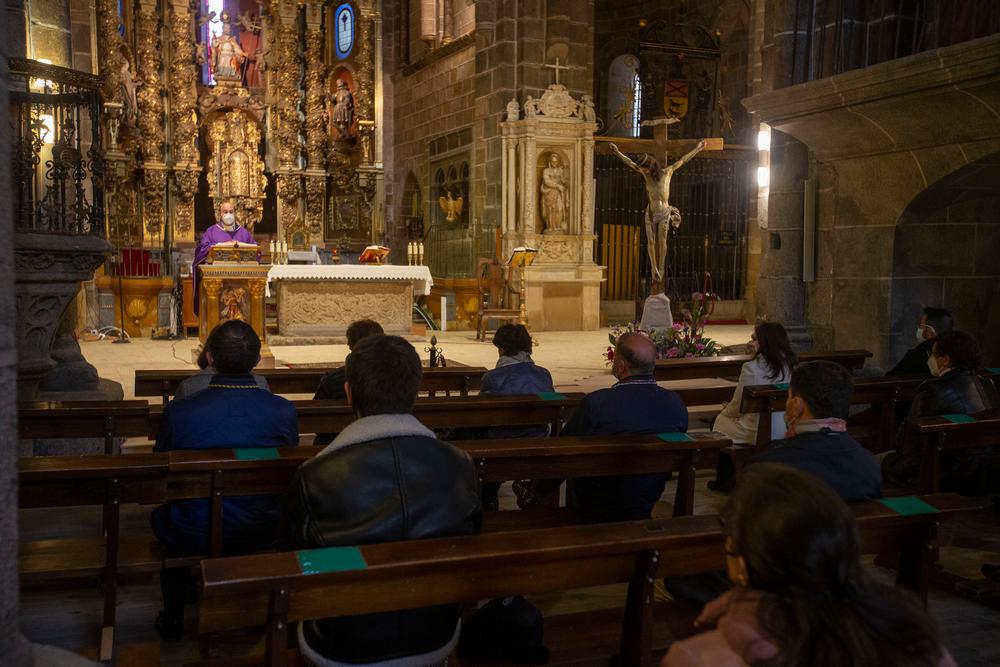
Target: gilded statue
(451, 207)
(659, 213)
(227, 54)
(343, 108)
(232, 303)
(555, 196)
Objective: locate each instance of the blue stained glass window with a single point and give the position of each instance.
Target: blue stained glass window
(344, 34)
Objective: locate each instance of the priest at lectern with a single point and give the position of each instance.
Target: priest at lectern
(226, 230)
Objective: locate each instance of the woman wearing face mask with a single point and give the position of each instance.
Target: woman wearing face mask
(801, 595)
(956, 388)
(771, 364)
(224, 231)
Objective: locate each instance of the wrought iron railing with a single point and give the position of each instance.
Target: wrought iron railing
(58, 168)
(843, 35)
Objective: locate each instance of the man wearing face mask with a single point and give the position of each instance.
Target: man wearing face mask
(226, 230)
(817, 442)
(933, 323)
(955, 389)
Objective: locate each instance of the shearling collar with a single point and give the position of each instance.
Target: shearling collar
(377, 427)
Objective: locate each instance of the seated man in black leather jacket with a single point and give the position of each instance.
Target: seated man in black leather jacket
(385, 478)
(955, 389)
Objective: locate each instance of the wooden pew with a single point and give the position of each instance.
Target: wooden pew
(934, 435)
(138, 419)
(728, 366)
(164, 383)
(105, 481)
(882, 393)
(110, 420)
(273, 590)
(108, 481)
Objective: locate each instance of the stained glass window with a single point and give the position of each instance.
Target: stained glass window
(344, 34)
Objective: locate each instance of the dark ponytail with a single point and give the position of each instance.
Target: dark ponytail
(800, 545)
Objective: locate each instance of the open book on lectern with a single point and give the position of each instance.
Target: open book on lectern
(522, 256)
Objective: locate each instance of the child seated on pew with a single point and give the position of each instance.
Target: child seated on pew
(801, 596)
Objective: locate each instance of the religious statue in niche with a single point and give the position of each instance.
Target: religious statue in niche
(343, 109)
(555, 196)
(227, 54)
(130, 81)
(659, 212)
(452, 207)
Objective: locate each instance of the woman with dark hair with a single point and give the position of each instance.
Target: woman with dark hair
(772, 363)
(801, 596)
(956, 388)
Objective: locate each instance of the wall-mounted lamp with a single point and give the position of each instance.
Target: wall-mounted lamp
(763, 177)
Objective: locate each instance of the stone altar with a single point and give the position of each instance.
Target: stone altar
(320, 302)
(548, 186)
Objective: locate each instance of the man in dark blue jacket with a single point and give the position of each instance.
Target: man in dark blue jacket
(635, 405)
(233, 412)
(819, 399)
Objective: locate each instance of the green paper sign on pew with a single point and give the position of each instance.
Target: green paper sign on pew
(256, 454)
(959, 418)
(551, 396)
(331, 559)
(908, 505)
(674, 437)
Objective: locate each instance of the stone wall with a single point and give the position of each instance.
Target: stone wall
(879, 140)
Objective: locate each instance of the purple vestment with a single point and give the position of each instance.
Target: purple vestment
(214, 234)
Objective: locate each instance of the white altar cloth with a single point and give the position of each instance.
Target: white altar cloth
(420, 276)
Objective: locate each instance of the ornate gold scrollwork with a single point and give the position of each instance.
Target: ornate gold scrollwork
(235, 169)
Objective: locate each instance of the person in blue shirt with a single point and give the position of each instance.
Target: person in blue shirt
(634, 405)
(232, 413)
(515, 373)
(817, 442)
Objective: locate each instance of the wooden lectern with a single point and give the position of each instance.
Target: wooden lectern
(232, 285)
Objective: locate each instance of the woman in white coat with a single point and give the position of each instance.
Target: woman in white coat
(771, 364)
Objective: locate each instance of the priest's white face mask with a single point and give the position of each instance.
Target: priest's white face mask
(229, 219)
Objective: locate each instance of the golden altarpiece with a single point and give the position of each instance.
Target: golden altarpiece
(270, 103)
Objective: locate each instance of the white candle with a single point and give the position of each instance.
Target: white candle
(271, 248)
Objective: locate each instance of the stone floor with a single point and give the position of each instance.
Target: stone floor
(571, 356)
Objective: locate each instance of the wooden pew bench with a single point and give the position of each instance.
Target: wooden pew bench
(164, 383)
(933, 436)
(105, 481)
(274, 589)
(729, 366)
(109, 480)
(111, 420)
(881, 393)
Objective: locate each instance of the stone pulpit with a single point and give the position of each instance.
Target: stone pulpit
(548, 204)
(232, 287)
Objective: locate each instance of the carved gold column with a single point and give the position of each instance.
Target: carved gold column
(119, 191)
(110, 46)
(283, 96)
(149, 98)
(257, 307)
(316, 121)
(370, 175)
(209, 309)
(183, 119)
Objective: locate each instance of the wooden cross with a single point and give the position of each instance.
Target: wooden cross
(659, 146)
(558, 67)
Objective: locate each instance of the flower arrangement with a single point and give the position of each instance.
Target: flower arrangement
(685, 339)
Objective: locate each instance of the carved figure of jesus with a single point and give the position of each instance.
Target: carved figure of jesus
(555, 196)
(659, 212)
(227, 54)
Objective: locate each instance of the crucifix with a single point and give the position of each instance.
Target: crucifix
(660, 215)
(557, 67)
